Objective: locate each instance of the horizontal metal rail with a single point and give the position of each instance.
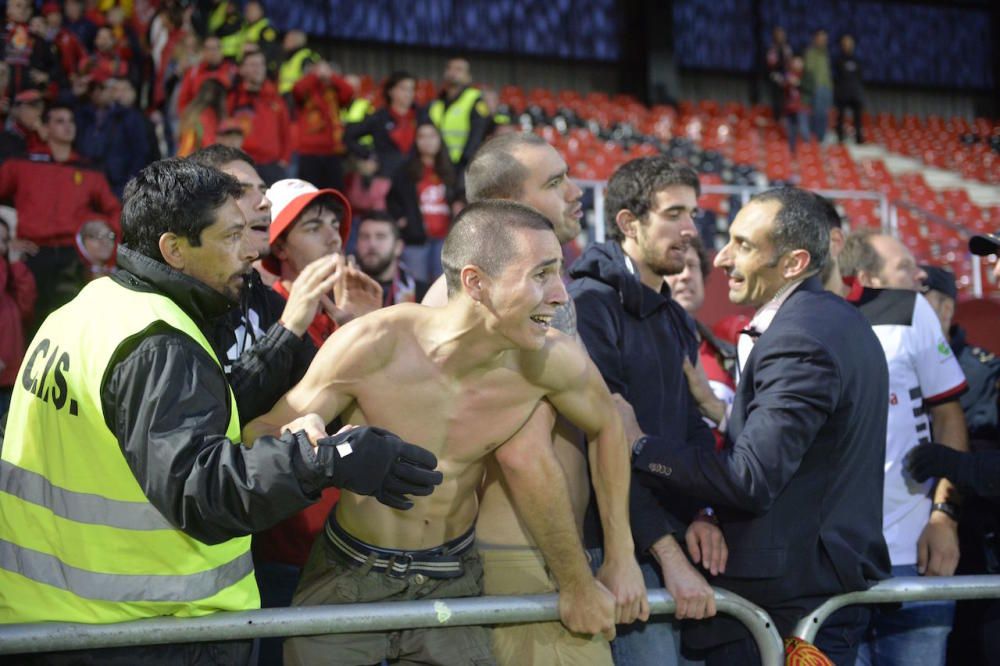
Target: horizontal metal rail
(916, 588)
(349, 618)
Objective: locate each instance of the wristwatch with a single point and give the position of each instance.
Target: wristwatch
(948, 509)
(638, 444)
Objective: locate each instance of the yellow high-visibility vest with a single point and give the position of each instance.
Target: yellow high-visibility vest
(79, 540)
(355, 113)
(454, 121)
(291, 70)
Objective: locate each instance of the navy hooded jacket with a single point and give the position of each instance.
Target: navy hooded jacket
(638, 338)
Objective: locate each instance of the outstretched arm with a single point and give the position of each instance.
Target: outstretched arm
(537, 486)
(583, 398)
(347, 358)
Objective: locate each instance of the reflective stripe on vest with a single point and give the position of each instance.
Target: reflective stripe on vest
(50, 570)
(355, 113)
(79, 540)
(454, 121)
(291, 71)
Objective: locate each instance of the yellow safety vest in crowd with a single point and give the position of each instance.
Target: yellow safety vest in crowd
(261, 29)
(231, 44)
(355, 113)
(79, 540)
(291, 70)
(454, 121)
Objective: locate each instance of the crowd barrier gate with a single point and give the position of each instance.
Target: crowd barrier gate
(915, 588)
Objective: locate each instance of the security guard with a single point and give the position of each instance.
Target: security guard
(981, 367)
(460, 113)
(124, 490)
(975, 637)
(225, 22)
(298, 57)
(257, 29)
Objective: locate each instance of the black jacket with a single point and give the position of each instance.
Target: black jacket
(638, 339)
(402, 201)
(378, 125)
(167, 402)
(799, 486)
(847, 83)
(262, 358)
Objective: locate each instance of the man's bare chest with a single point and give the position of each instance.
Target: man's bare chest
(459, 419)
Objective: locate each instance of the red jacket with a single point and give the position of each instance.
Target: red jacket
(318, 103)
(71, 51)
(53, 198)
(17, 303)
(264, 118)
(195, 76)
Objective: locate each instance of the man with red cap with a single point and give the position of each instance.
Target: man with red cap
(308, 223)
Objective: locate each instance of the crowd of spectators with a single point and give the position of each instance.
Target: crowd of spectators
(804, 87)
(94, 91)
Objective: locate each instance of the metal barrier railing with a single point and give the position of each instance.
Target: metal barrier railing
(902, 589)
(349, 618)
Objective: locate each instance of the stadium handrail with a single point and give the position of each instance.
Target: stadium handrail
(348, 618)
(915, 588)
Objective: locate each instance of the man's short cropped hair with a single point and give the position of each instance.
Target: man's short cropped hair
(494, 172)
(830, 215)
(634, 185)
(383, 217)
(482, 236)
(172, 196)
(860, 255)
(800, 224)
(218, 156)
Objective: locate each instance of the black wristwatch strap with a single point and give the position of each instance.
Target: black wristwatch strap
(947, 508)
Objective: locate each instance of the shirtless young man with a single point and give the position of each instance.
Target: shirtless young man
(524, 168)
(461, 380)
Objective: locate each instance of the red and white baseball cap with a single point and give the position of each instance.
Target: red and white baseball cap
(291, 196)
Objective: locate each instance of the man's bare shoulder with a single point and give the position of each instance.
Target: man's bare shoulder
(560, 365)
(370, 342)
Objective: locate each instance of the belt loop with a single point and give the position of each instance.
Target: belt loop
(404, 558)
(369, 563)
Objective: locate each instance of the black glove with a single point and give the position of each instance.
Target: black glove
(933, 460)
(373, 461)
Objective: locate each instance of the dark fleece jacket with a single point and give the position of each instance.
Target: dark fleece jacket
(638, 338)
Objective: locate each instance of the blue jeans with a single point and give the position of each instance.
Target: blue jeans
(822, 100)
(656, 642)
(917, 633)
(798, 126)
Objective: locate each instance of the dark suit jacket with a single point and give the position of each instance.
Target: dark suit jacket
(798, 487)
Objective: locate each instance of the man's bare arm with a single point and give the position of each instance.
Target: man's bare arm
(937, 547)
(584, 399)
(348, 357)
(537, 486)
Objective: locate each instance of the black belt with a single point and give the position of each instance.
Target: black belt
(444, 561)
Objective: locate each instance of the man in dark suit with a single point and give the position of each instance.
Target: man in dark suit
(798, 486)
